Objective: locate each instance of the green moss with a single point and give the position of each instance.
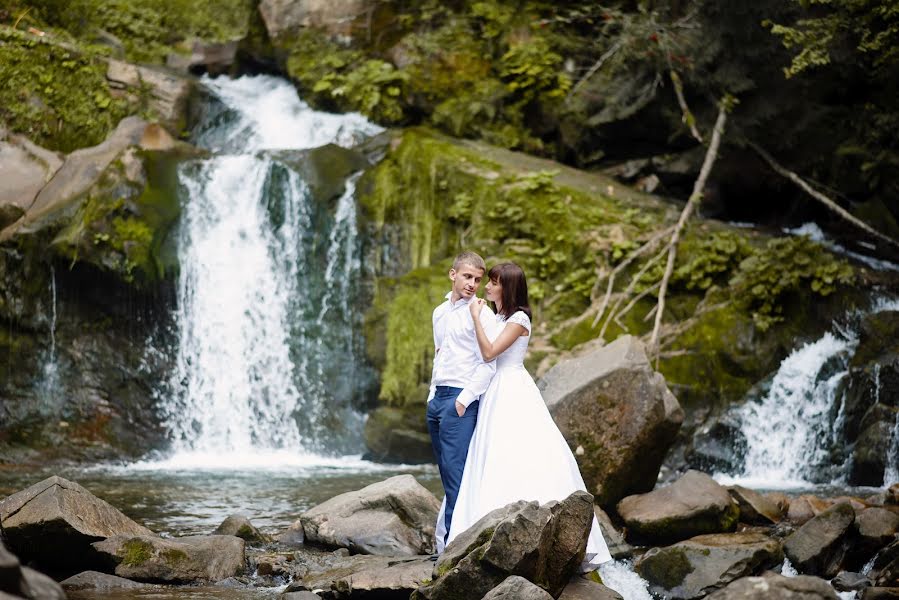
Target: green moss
(56, 96)
(136, 552)
(173, 556)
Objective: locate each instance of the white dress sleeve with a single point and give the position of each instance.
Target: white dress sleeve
(520, 318)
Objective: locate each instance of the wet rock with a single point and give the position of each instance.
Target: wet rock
(198, 558)
(393, 517)
(876, 528)
(893, 495)
(517, 588)
(213, 58)
(718, 447)
(17, 581)
(325, 170)
(581, 588)
(885, 568)
(819, 546)
(701, 565)
(612, 405)
(873, 445)
(379, 576)
(618, 546)
(776, 587)
(880, 593)
(398, 435)
(542, 543)
(299, 596)
(806, 507)
(846, 581)
(240, 526)
(693, 505)
(754, 507)
(94, 580)
(335, 17)
(293, 535)
(54, 522)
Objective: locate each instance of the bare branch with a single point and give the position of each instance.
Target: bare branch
(830, 204)
(695, 198)
(687, 116)
(596, 67)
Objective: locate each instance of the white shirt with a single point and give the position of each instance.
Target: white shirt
(457, 359)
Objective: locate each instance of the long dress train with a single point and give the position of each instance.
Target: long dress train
(517, 452)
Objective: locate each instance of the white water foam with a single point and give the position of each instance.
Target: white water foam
(791, 427)
(814, 232)
(619, 575)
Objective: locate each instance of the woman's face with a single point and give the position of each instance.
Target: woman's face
(493, 291)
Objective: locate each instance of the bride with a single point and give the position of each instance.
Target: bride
(516, 452)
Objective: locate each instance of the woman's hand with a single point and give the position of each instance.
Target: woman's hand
(475, 307)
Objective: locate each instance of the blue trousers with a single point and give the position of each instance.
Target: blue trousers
(450, 435)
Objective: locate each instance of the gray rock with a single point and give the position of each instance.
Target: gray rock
(819, 546)
(335, 17)
(169, 92)
(581, 588)
(94, 580)
(54, 522)
(618, 546)
(25, 168)
(847, 581)
(393, 517)
(776, 587)
(754, 507)
(880, 593)
(240, 526)
(378, 576)
(876, 528)
(199, 558)
(299, 596)
(17, 581)
(293, 535)
(693, 505)
(517, 588)
(398, 435)
(544, 544)
(701, 565)
(885, 569)
(618, 416)
(40, 587)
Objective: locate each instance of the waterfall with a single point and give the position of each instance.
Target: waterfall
(791, 427)
(50, 384)
(268, 358)
(891, 473)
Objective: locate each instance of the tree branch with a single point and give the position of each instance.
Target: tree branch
(830, 204)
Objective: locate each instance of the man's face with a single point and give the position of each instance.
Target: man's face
(466, 281)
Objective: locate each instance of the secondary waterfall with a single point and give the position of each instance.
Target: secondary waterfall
(268, 357)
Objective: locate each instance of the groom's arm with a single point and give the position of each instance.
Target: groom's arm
(483, 373)
(438, 340)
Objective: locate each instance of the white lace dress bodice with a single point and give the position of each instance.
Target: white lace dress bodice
(514, 355)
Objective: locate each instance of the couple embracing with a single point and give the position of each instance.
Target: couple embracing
(493, 437)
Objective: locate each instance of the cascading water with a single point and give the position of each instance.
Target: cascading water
(268, 359)
(50, 384)
(791, 428)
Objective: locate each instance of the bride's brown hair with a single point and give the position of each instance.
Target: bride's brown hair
(515, 288)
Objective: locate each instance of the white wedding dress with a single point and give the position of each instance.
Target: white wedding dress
(516, 452)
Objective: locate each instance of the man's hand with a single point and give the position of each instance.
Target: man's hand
(460, 408)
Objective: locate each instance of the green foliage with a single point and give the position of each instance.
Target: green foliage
(870, 27)
(710, 261)
(56, 96)
(532, 71)
(787, 266)
(374, 88)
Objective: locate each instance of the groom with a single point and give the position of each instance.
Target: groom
(460, 376)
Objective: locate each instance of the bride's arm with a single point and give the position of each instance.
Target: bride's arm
(490, 350)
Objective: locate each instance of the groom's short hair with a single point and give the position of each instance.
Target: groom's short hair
(471, 259)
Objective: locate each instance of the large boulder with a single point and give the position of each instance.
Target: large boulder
(701, 565)
(617, 414)
(545, 544)
(198, 558)
(54, 522)
(168, 92)
(885, 568)
(334, 17)
(377, 576)
(392, 517)
(517, 588)
(25, 168)
(819, 546)
(776, 587)
(22, 582)
(876, 527)
(95, 580)
(693, 505)
(398, 435)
